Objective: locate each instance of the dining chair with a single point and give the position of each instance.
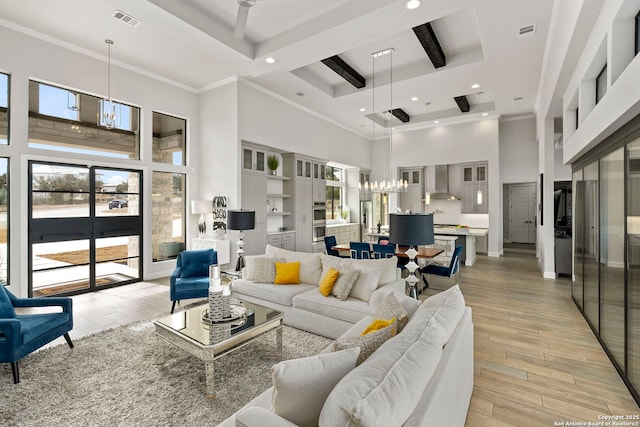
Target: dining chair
(383, 251)
(383, 240)
(453, 270)
(360, 250)
(329, 242)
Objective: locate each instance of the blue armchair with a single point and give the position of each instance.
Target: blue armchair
(190, 279)
(21, 334)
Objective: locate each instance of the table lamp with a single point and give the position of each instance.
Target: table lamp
(240, 220)
(411, 230)
(201, 207)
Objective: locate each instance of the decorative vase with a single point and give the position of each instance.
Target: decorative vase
(217, 308)
(273, 171)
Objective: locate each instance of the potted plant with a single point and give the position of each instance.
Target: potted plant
(272, 163)
(344, 213)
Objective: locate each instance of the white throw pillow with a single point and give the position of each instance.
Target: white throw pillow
(300, 386)
(388, 267)
(249, 270)
(367, 282)
(310, 265)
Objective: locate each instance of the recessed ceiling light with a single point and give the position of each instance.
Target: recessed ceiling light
(269, 60)
(518, 98)
(436, 122)
(299, 93)
(412, 4)
(485, 114)
(415, 98)
(363, 110)
(475, 86)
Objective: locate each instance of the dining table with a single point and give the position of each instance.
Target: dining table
(423, 251)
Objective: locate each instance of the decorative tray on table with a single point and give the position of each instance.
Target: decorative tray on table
(238, 312)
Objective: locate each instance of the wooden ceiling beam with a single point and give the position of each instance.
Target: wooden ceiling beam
(462, 102)
(401, 115)
(430, 44)
(345, 71)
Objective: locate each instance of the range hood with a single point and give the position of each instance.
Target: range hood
(442, 184)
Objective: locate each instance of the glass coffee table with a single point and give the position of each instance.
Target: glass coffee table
(193, 332)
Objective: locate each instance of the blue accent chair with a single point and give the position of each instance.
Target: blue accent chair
(21, 334)
(383, 251)
(451, 271)
(190, 279)
(360, 250)
(329, 242)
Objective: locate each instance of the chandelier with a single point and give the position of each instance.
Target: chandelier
(384, 186)
(106, 107)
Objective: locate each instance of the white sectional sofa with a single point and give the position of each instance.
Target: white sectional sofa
(304, 307)
(423, 376)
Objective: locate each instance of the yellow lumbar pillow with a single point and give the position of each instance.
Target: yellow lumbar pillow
(287, 273)
(378, 324)
(327, 282)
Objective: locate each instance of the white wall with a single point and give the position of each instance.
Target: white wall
(269, 120)
(25, 57)
(518, 151)
(622, 100)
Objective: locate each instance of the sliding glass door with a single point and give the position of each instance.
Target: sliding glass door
(85, 228)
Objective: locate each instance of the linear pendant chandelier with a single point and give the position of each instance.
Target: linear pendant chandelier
(106, 107)
(384, 186)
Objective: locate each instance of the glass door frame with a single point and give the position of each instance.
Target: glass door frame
(90, 228)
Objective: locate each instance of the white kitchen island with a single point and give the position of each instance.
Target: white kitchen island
(470, 234)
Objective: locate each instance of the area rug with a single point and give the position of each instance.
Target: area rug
(129, 377)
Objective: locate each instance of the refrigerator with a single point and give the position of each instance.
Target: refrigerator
(366, 218)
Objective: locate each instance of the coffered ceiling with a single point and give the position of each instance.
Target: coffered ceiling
(191, 43)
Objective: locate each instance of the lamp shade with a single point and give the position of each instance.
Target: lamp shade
(201, 206)
(241, 220)
(411, 229)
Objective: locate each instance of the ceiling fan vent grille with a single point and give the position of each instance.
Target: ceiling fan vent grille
(126, 18)
(527, 30)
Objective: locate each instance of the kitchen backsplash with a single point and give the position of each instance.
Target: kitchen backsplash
(448, 212)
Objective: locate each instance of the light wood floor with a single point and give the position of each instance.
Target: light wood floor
(536, 360)
(537, 363)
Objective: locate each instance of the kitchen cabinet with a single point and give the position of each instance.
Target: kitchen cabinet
(254, 197)
(413, 199)
(475, 188)
(345, 232)
(319, 182)
(301, 190)
(254, 159)
(284, 240)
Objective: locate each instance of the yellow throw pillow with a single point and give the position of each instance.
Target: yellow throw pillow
(287, 273)
(327, 282)
(378, 324)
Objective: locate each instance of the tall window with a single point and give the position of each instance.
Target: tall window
(169, 139)
(65, 120)
(168, 222)
(4, 109)
(336, 185)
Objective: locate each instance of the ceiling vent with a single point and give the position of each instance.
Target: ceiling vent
(527, 30)
(126, 18)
